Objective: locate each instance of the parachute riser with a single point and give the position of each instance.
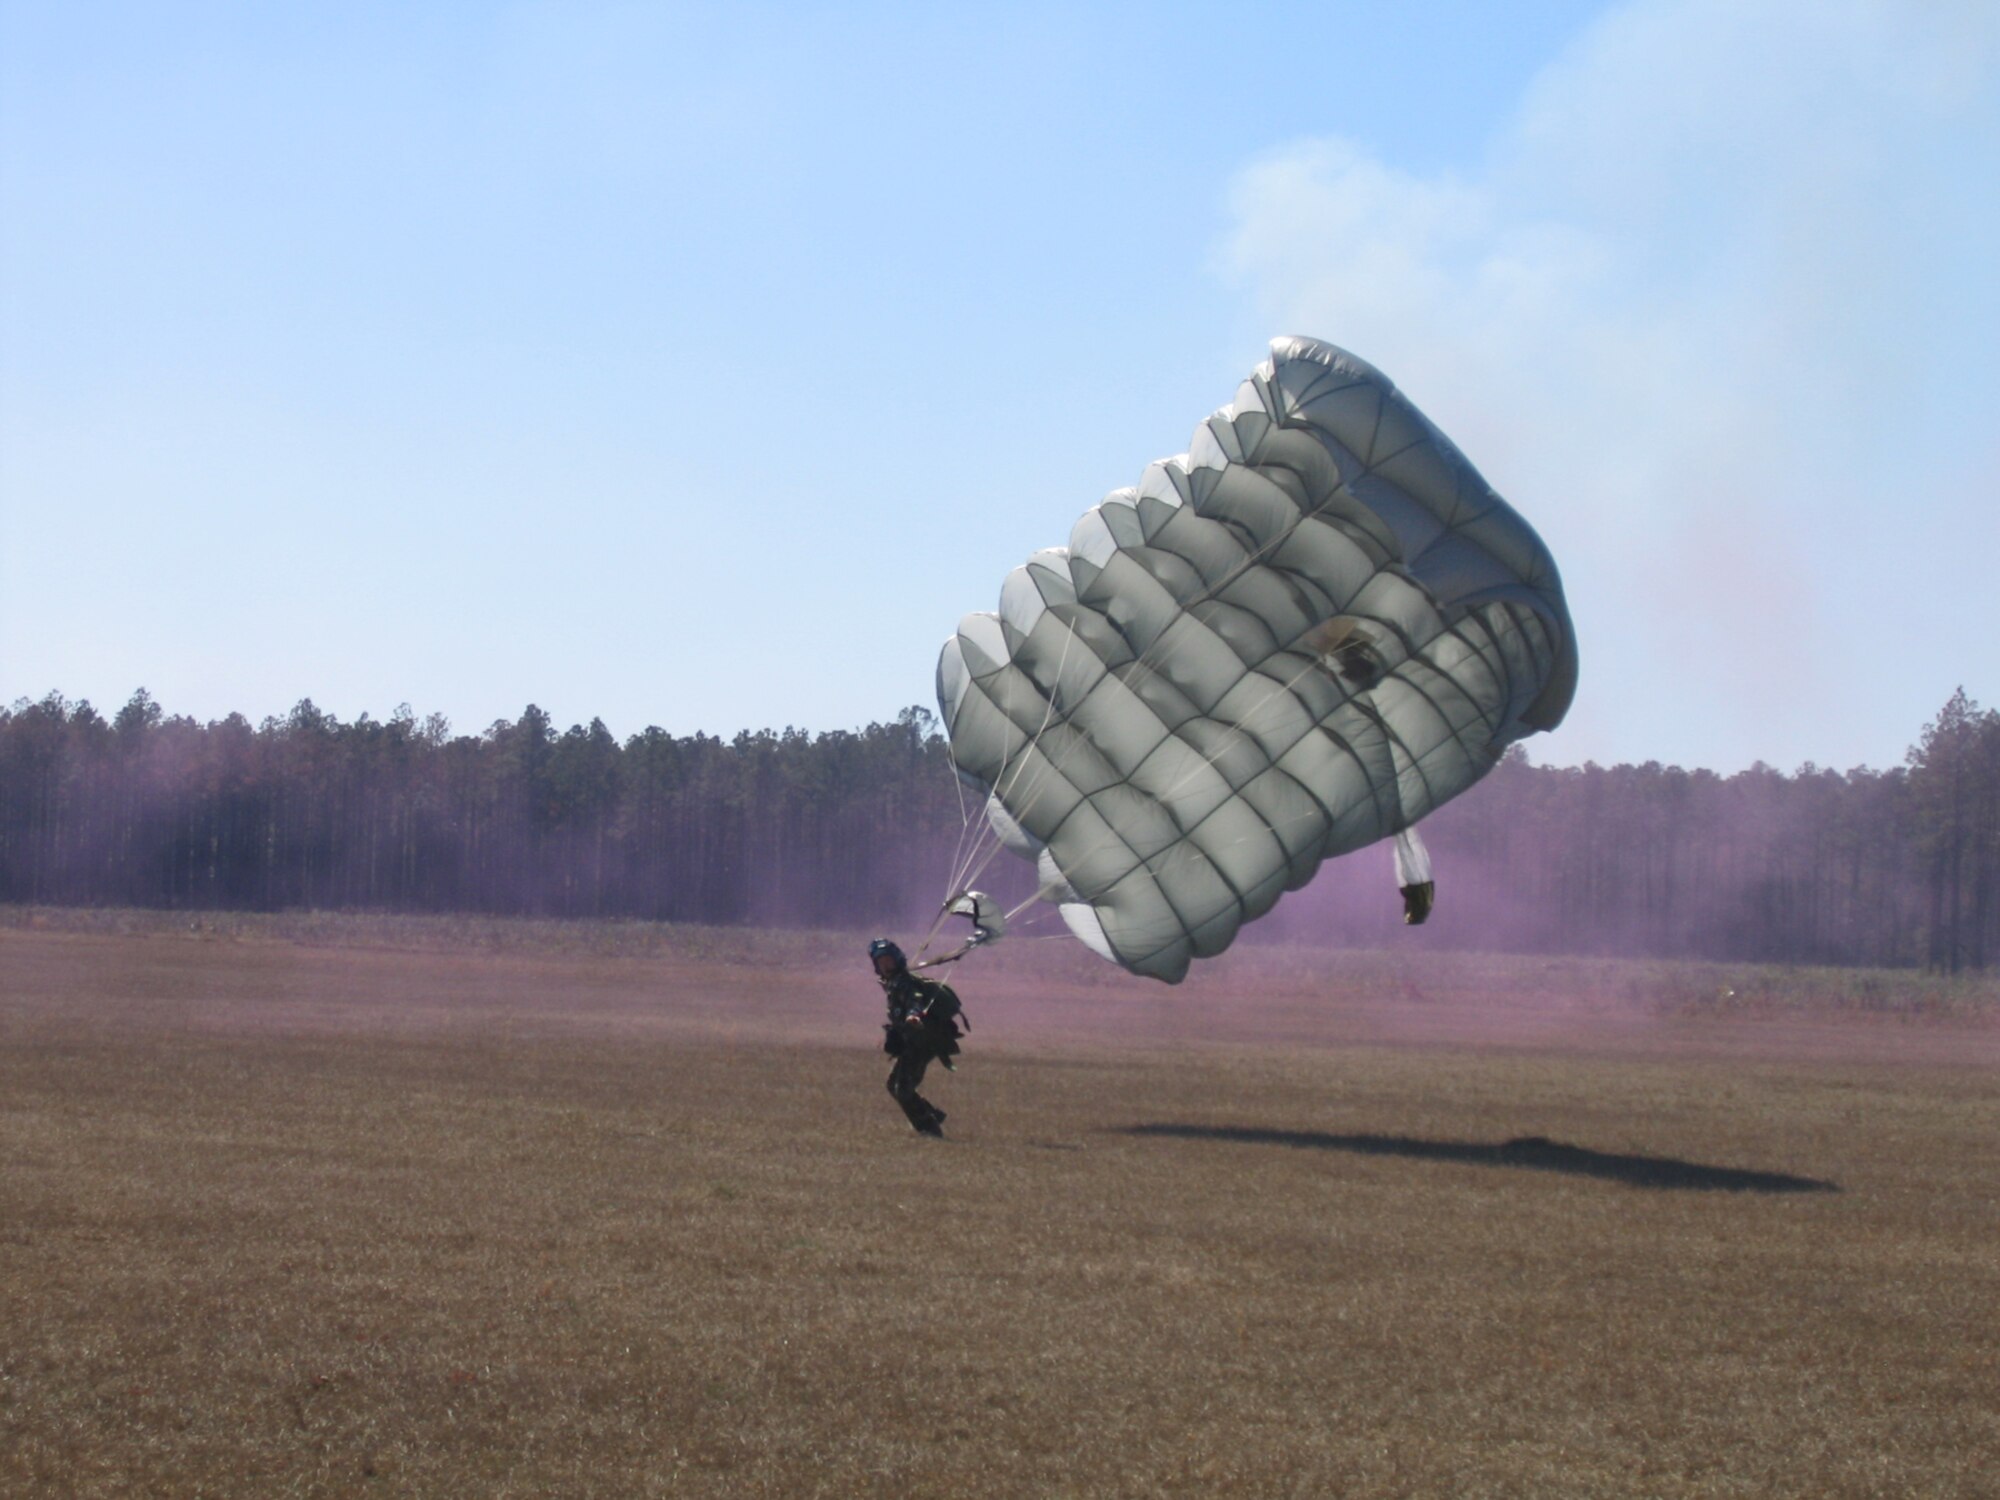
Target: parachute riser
(988, 923)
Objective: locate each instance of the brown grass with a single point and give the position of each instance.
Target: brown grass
(369, 1206)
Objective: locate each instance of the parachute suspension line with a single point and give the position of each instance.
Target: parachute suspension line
(958, 852)
(1048, 714)
(968, 876)
(931, 936)
(973, 858)
(964, 829)
(978, 852)
(988, 925)
(1025, 904)
(975, 855)
(958, 787)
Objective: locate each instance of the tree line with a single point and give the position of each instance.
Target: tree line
(864, 827)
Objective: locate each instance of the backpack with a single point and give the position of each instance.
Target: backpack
(944, 1011)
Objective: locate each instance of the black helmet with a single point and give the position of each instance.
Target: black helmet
(881, 946)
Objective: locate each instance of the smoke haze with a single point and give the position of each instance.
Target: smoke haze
(1710, 314)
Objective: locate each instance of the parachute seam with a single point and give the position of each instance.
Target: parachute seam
(1495, 665)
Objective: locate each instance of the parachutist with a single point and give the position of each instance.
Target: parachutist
(922, 1028)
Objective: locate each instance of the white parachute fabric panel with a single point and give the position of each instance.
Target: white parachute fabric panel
(1301, 636)
(1413, 860)
(1413, 877)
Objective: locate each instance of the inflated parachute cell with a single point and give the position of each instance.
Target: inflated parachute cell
(1301, 636)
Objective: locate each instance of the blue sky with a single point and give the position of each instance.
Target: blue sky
(701, 366)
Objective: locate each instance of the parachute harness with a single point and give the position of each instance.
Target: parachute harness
(988, 923)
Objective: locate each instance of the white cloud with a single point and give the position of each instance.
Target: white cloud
(1718, 312)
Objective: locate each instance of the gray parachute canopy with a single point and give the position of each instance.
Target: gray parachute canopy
(1301, 636)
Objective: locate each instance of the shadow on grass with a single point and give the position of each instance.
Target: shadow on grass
(1534, 1152)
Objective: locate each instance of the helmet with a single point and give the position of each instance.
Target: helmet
(881, 946)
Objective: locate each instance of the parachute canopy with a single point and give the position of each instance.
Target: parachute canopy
(1301, 636)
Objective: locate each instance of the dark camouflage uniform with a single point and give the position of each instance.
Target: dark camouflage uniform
(922, 1027)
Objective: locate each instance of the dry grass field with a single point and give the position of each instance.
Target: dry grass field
(358, 1206)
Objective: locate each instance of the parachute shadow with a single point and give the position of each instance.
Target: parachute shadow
(1534, 1152)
